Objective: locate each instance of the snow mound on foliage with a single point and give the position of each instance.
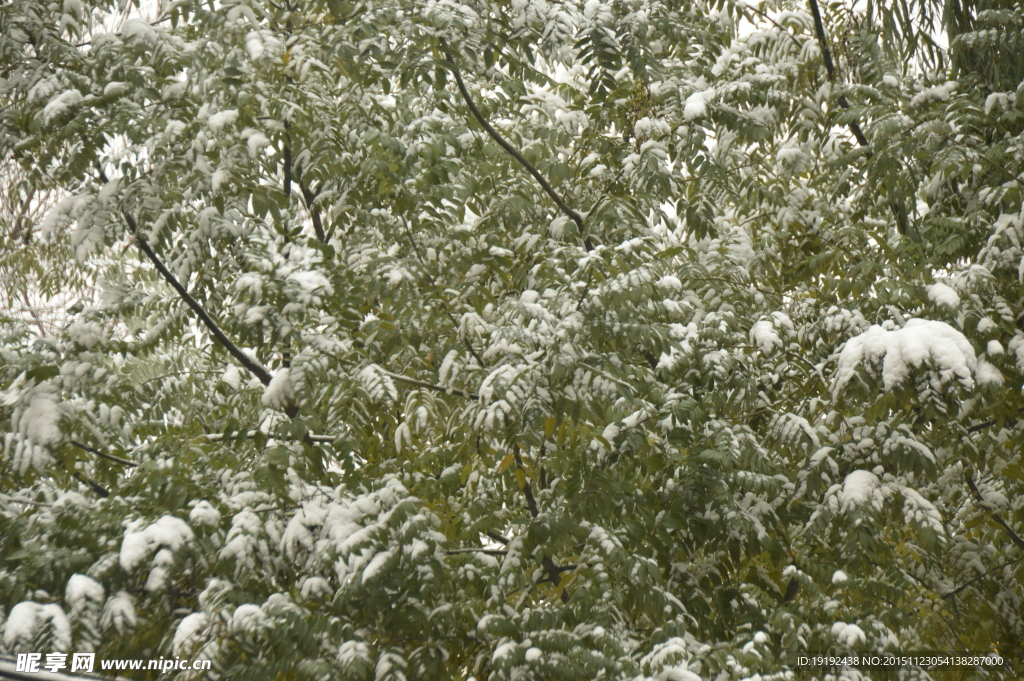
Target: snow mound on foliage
(943, 295)
(849, 634)
(119, 613)
(859, 488)
(138, 545)
(900, 350)
(28, 618)
(188, 631)
(83, 588)
(204, 514)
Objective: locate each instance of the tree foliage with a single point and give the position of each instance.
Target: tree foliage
(554, 340)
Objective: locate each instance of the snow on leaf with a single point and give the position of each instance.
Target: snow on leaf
(859, 489)
(917, 343)
(943, 295)
(140, 542)
(189, 632)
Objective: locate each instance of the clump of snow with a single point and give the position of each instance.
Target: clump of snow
(222, 119)
(1016, 347)
(162, 562)
(792, 159)
(139, 544)
(247, 618)
(939, 93)
(670, 283)
(696, 105)
(763, 335)
(378, 384)
(40, 422)
(848, 634)
(138, 29)
(83, 588)
(987, 374)
(917, 509)
(60, 104)
(28, 619)
(943, 295)
(860, 488)
(232, 377)
(119, 613)
(900, 350)
(995, 102)
(256, 141)
(87, 334)
(284, 387)
(839, 577)
(205, 515)
(533, 654)
(254, 46)
(308, 286)
(188, 632)
(994, 348)
(890, 80)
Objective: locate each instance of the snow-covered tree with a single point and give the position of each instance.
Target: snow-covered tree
(637, 339)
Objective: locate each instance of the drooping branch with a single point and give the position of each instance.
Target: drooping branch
(515, 153)
(250, 365)
(1014, 537)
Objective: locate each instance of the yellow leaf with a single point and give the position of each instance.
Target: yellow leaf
(506, 462)
(521, 477)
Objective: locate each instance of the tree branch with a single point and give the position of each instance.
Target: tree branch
(250, 365)
(309, 196)
(103, 455)
(498, 538)
(437, 388)
(1014, 537)
(531, 503)
(489, 552)
(966, 584)
(830, 68)
(496, 136)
